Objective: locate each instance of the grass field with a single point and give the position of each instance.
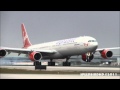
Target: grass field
(21, 71)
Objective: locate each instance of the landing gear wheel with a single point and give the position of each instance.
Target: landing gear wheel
(51, 63)
(40, 67)
(66, 63)
(36, 63)
(88, 59)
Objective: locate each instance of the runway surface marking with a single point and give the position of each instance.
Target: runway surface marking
(53, 76)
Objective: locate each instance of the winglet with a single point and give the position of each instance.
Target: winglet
(26, 41)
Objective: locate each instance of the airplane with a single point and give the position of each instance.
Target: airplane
(86, 46)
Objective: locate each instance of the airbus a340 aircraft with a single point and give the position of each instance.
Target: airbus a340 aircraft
(61, 49)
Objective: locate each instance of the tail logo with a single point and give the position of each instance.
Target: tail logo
(26, 40)
(24, 36)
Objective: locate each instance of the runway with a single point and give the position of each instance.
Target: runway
(85, 73)
(66, 68)
(53, 76)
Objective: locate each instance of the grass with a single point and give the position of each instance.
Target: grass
(21, 71)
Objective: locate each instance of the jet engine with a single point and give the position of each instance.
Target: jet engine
(84, 57)
(35, 56)
(3, 53)
(106, 54)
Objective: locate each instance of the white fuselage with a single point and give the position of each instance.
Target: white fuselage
(68, 47)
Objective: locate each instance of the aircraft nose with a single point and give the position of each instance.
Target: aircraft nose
(95, 45)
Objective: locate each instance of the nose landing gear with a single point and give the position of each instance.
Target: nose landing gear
(89, 57)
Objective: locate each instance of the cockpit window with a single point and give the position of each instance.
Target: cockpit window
(92, 41)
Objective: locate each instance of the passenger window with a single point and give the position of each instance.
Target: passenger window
(89, 41)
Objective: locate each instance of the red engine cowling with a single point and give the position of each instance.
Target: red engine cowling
(84, 57)
(106, 54)
(34, 56)
(2, 53)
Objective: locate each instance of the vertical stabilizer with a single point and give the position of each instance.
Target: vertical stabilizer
(26, 41)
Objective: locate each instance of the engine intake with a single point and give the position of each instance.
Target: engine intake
(106, 54)
(3, 53)
(35, 56)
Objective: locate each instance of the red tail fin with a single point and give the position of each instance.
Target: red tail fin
(26, 41)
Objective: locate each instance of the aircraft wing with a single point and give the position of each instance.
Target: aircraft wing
(26, 51)
(101, 49)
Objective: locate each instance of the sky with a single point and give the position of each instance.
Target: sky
(45, 26)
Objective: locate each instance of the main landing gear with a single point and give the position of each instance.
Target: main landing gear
(38, 65)
(51, 63)
(67, 63)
